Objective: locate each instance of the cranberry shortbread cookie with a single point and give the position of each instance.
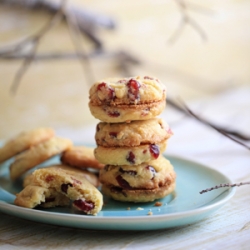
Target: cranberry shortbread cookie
(24, 141)
(38, 154)
(138, 195)
(151, 175)
(130, 155)
(84, 196)
(33, 195)
(133, 134)
(81, 157)
(126, 99)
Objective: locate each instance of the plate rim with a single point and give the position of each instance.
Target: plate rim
(204, 208)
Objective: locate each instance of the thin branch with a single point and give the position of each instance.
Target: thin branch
(82, 56)
(186, 19)
(184, 108)
(224, 185)
(34, 41)
(88, 21)
(22, 70)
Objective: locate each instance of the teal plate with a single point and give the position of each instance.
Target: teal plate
(185, 206)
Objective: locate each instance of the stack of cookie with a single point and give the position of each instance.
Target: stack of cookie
(130, 139)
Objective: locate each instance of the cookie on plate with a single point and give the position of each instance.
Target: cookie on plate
(126, 99)
(129, 155)
(135, 133)
(143, 183)
(81, 157)
(146, 176)
(84, 196)
(32, 196)
(138, 195)
(24, 141)
(38, 154)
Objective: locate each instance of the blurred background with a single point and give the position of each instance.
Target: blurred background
(199, 49)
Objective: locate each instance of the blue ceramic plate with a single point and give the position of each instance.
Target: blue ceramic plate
(185, 206)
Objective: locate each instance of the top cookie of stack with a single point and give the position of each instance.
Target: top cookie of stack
(116, 100)
(130, 139)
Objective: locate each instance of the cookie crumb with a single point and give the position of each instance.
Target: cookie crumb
(150, 213)
(139, 208)
(158, 204)
(128, 208)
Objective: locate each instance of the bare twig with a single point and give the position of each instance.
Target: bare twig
(33, 40)
(224, 185)
(88, 21)
(184, 108)
(24, 67)
(186, 19)
(75, 34)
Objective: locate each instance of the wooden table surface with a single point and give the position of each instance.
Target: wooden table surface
(211, 76)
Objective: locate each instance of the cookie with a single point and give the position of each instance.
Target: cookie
(91, 177)
(84, 196)
(138, 195)
(126, 99)
(146, 176)
(24, 141)
(133, 134)
(81, 157)
(37, 154)
(129, 155)
(32, 196)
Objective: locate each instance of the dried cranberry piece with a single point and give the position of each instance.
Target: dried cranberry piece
(123, 183)
(133, 90)
(154, 150)
(76, 181)
(49, 178)
(84, 205)
(150, 168)
(106, 90)
(64, 187)
(144, 151)
(131, 157)
(114, 113)
(130, 172)
(113, 134)
(50, 199)
(169, 131)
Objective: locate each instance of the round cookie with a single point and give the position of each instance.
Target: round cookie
(130, 155)
(138, 195)
(126, 99)
(146, 176)
(81, 157)
(24, 141)
(38, 154)
(84, 196)
(133, 134)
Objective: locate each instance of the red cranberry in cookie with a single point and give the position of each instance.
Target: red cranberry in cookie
(133, 90)
(131, 157)
(105, 92)
(154, 150)
(84, 205)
